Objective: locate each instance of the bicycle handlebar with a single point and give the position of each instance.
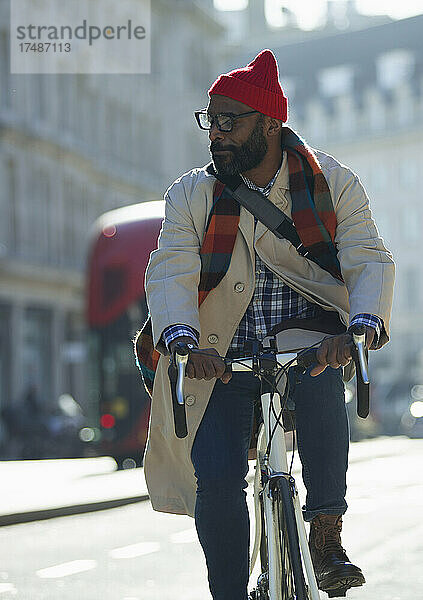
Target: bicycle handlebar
(360, 356)
(304, 359)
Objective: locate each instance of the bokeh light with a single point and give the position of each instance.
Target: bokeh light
(416, 409)
(87, 434)
(107, 421)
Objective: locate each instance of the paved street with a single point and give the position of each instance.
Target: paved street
(133, 553)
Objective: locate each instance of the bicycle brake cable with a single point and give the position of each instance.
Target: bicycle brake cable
(284, 399)
(283, 371)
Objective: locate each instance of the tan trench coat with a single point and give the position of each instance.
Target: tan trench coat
(172, 291)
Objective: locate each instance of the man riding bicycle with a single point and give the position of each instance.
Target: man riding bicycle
(219, 279)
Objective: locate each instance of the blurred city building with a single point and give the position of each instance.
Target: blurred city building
(72, 147)
(252, 28)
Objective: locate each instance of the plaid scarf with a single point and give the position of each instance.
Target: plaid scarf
(312, 207)
(313, 216)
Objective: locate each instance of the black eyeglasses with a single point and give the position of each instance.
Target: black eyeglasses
(223, 121)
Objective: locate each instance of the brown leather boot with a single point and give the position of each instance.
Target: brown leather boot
(335, 573)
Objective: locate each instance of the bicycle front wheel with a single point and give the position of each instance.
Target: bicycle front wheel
(290, 568)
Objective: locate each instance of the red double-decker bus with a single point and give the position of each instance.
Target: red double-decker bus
(118, 406)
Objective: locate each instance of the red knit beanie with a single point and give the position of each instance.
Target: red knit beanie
(256, 85)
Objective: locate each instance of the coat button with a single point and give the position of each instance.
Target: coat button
(239, 287)
(190, 400)
(213, 338)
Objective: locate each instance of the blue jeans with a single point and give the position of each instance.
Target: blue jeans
(220, 459)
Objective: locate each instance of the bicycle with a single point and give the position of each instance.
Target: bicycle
(280, 536)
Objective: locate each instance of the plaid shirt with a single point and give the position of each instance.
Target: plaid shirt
(273, 301)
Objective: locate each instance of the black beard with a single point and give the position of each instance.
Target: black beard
(245, 157)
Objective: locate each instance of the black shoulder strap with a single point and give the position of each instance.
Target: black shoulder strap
(261, 207)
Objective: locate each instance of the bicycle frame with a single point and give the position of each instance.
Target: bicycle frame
(276, 465)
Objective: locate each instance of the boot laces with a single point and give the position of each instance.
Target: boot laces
(328, 535)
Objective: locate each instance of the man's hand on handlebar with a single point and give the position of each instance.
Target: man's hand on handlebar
(200, 366)
(336, 351)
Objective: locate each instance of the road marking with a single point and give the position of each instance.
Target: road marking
(134, 550)
(67, 568)
(188, 536)
(7, 587)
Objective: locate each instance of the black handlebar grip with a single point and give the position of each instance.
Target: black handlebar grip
(357, 329)
(179, 413)
(363, 389)
(181, 348)
(307, 359)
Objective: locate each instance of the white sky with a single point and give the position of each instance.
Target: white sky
(310, 13)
